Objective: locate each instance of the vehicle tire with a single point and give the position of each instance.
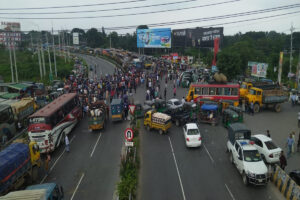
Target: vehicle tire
(148, 128)
(245, 179)
(231, 158)
(177, 123)
(161, 131)
(277, 107)
(256, 108)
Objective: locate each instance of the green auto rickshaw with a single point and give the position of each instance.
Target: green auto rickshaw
(229, 117)
(160, 105)
(140, 110)
(239, 111)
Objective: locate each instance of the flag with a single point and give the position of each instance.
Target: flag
(216, 49)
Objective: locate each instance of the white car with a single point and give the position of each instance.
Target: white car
(269, 151)
(175, 103)
(192, 135)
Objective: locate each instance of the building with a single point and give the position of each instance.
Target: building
(10, 33)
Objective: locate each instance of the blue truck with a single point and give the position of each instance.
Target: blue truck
(19, 164)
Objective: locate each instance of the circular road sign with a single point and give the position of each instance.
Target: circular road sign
(128, 134)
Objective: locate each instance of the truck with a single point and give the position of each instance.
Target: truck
(46, 191)
(19, 163)
(98, 115)
(156, 120)
(270, 98)
(246, 86)
(245, 157)
(22, 109)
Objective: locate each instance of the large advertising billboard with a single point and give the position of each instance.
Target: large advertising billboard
(197, 37)
(258, 69)
(154, 38)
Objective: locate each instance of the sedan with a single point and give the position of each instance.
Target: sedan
(269, 151)
(192, 135)
(174, 103)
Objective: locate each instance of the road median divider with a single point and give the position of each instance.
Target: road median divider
(285, 184)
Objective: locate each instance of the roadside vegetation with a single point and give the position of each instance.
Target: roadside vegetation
(28, 66)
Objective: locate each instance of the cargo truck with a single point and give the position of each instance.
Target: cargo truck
(271, 98)
(246, 86)
(156, 120)
(46, 191)
(19, 164)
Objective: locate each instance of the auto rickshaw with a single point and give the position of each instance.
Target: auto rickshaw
(98, 115)
(117, 110)
(140, 110)
(160, 105)
(209, 113)
(150, 103)
(192, 108)
(239, 111)
(229, 117)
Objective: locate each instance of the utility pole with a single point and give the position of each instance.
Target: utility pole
(40, 63)
(11, 64)
(291, 53)
(49, 56)
(110, 40)
(31, 42)
(15, 58)
(43, 57)
(63, 45)
(54, 53)
(59, 49)
(68, 46)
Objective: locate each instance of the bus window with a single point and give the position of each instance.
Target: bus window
(234, 91)
(227, 91)
(212, 91)
(198, 91)
(205, 91)
(219, 91)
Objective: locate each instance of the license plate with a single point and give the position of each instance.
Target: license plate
(260, 180)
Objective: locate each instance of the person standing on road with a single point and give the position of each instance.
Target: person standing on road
(294, 144)
(252, 108)
(67, 143)
(282, 159)
(289, 144)
(174, 90)
(268, 134)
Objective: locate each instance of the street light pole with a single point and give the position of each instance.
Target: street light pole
(291, 53)
(11, 64)
(54, 53)
(15, 59)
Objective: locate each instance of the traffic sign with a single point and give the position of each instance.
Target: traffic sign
(132, 109)
(129, 144)
(129, 134)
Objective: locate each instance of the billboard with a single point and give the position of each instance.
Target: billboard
(258, 69)
(10, 26)
(76, 38)
(197, 37)
(154, 38)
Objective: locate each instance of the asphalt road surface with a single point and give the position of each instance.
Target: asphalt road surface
(91, 169)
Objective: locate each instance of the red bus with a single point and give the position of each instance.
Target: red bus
(214, 92)
(49, 125)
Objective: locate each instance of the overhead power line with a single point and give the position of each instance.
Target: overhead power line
(102, 10)
(212, 18)
(123, 15)
(75, 6)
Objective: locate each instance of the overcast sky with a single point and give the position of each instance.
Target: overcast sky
(279, 23)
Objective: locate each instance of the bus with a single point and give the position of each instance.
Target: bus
(214, 92)
(7, 124)
(49, 125)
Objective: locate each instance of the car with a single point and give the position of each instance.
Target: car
(175, 103)
(295, 175)
(269, 151)
(192, 135)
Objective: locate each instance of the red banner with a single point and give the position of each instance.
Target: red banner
(216, 49)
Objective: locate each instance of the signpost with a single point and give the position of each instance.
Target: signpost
(132, 109)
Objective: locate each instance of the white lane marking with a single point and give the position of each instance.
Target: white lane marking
(77, 186)
(95, 145)
(212, 160)
(229, 192)
(182, 190)
(56, 161)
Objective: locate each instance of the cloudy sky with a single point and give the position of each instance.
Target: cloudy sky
(145, 12)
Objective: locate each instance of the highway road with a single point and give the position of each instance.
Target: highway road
(168, 170)
(91, 169)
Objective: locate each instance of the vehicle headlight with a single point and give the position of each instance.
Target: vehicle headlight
(250, 174)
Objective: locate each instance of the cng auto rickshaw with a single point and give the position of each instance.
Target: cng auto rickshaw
(140, 110)
(117, 110)
(160, 105)
(98, 115)
(239, 111)
(229, 117)
(209, 113)
(192, 109)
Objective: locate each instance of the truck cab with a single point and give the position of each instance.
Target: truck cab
(53, 191)
(255, 96)
(244, 155)
(244, 89)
